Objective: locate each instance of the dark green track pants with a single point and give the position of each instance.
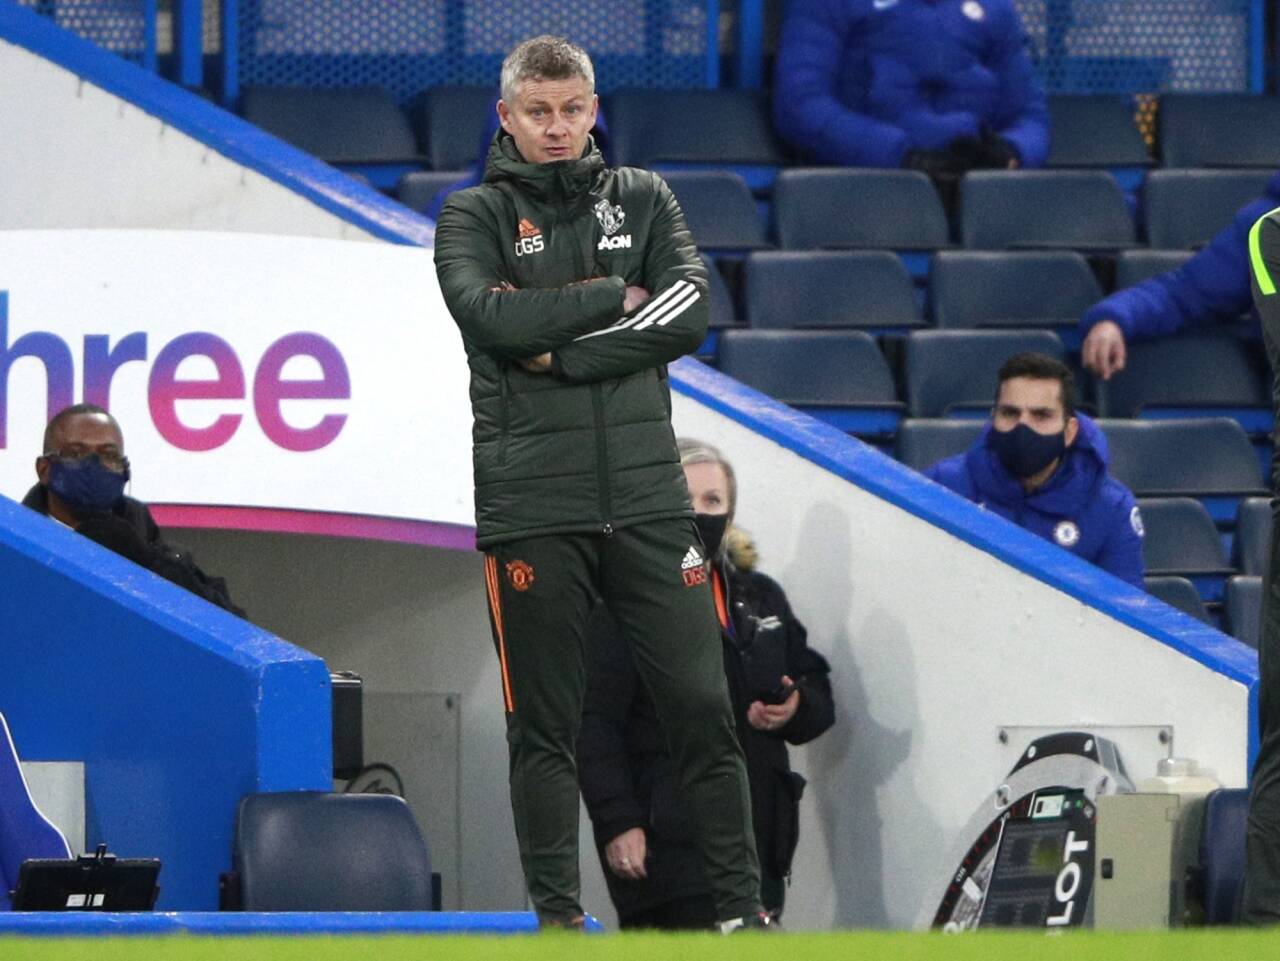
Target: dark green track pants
(541, 590)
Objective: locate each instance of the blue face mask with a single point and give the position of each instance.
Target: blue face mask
(1024, 452)
(86, 485)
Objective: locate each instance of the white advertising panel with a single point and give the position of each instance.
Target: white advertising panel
(276, 383)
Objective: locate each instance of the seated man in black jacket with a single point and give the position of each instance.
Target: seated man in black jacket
(781, 695)
(82, 475)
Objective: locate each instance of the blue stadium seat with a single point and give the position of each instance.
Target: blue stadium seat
(1011, 289)
(1219, 130)
(418, 188)
(1252, 542)
(1186, 375)
(923, 441)
(1182, 539)
(1222, 844)
(718, 208)
(24, 831)
(948, 369)
(1135, 266)
(723, 313)
(1208, 458)
(836, 207)
(1095, 130)
(839, 376)
(1083, 209)
(348, 126)
(450, 122)
(315, 851)
(797, 289)
(1244, 608)
(674, 128)
(1185, 208)
(1180, 593)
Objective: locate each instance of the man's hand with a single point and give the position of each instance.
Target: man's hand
(935, 163)
(1103, 350)
(635, 297)
(537, 365)
(770, 717)
(625, 855)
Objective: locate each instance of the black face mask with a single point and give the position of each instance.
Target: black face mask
(711, 529)
(1024, 452)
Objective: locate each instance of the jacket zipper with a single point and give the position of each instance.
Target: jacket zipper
(597, 402)
(602, 461)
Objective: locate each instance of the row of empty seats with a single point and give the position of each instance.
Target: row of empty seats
(953, 373)
(1182, 538)
(875, 289)
(1240, 611)
(441, 128)
(814, 208)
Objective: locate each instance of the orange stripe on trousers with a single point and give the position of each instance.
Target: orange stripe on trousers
(495, 606)
(717, 591)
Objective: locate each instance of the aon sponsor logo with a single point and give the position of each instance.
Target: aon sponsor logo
(621, 242)
(529, 245)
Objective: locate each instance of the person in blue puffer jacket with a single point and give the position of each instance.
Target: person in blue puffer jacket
(1042, 465)
(942, 86)
(1212, 287)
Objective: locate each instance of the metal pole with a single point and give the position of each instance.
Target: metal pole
(748, 70)
(188, 42)
(713, 43)
(230, 52)
(149, 58)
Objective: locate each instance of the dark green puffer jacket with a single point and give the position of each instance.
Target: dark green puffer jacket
(588, 446)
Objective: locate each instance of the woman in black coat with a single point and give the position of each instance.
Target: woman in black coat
(780, 692)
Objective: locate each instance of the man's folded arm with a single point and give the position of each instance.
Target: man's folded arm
(512, 324)
(670, 324)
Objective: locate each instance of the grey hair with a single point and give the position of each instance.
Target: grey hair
(699, 452)
(545, 58)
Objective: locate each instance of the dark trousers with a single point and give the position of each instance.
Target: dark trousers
(541, 590)
(698, 912)
(687, 914)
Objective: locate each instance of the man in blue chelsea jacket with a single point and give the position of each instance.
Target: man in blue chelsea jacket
(1043, 466)
(939, 85)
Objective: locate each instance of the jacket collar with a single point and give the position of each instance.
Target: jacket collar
(563, 181)
(37, 499)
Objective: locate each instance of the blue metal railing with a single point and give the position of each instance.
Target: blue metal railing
(1079, 45)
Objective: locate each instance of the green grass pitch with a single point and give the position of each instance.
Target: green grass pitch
(846, 946)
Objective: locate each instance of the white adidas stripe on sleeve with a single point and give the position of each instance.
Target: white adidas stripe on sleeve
(671, 310)
(661, 310)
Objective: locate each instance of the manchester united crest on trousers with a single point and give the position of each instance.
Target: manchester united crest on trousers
(520, 575)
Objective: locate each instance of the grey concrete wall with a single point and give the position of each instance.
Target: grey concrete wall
(412, 621)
